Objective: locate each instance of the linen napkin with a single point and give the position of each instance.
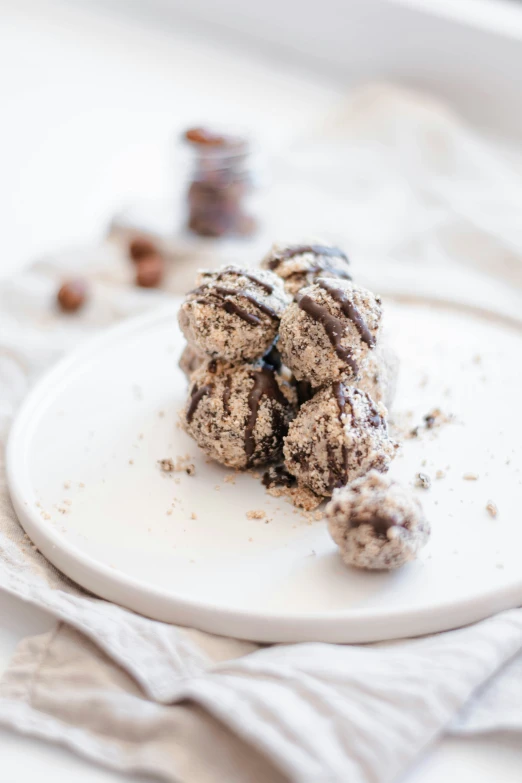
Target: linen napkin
(182, 705)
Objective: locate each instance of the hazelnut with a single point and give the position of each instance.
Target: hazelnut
(141, 247)
(72, 295)
(149, 271)
(204, 136)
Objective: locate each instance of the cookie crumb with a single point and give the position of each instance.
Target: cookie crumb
(217, 487)
(256, 514)
(230, 478)
(166, 465)
(81, 485)
(299, 496)
(422, 480)
(470, 476)
(161, 414)
(440, 474)
(66, 484)
(131, 462)
(193, 515)
(492, 509)
(182, 465)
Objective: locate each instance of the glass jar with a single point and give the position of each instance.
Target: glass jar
(220, 184)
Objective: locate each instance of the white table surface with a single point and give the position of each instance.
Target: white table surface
(90, 105)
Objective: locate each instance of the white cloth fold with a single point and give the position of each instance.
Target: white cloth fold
(408, 180)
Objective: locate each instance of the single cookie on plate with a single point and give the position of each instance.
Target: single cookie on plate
(239, 414)
(339, 435)
(233, 313)
(376, 523)
(328, 332)
(300, 264)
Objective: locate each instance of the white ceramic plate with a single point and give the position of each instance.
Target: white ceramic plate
(84, 479)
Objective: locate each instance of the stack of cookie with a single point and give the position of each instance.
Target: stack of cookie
(239, 404)
(286, 360)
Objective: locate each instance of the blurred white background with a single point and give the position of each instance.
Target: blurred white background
(94, 91)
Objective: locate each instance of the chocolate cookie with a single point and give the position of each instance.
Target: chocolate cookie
(299, 265)
(376, 523)
(233, 313)
(339, 435)
(327, 333)
(239, 414)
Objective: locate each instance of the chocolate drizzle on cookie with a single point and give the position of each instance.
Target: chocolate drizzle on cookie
(195, 398)
(229, 270)
(221, 296)
(298, 250)
(349, 309)
(265, 385)
(333, 327)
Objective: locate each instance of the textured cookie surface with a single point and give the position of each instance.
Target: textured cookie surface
(190, 361)
(327, 333)
(239, 414)
(337, 436)
(379, 375)
(377, 523)
(300, 264)
(234, 313)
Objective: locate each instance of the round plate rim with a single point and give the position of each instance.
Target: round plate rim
(352, 625)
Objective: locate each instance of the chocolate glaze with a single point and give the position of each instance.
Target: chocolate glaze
(339, 273)
(237, 273)
(349, 309)
(333, 327)
(195, 398)
(234, 309)
(265, 385)
(251, 298)
(221, 293)
(298, 250)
